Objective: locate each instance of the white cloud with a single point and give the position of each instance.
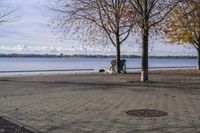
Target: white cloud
(50, 50)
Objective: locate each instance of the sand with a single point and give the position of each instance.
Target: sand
(97, 103)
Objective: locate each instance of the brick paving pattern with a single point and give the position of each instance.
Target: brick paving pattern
(93, 103)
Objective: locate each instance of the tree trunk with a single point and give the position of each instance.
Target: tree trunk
(144, 65)
(118, 57)
(198, 58)
(145, 41)
(118, 40)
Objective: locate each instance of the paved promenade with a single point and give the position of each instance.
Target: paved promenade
(97, 103)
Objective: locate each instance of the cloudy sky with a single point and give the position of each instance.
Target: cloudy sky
(31, 34)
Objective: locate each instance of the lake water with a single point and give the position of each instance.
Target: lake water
(22, 64)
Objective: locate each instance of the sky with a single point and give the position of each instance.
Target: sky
(30, 34)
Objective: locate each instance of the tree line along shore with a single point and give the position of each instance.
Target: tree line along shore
(90, 56)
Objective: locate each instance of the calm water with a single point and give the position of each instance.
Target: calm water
(20, 64)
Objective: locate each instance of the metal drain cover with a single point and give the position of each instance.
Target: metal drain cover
(146, 113)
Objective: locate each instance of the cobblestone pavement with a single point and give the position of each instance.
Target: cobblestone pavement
(96, 103)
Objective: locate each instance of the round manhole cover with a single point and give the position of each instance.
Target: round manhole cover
(146, 113)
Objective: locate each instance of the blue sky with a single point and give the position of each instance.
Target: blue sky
(31, 34)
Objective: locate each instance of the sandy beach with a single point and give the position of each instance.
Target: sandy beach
(97, 103)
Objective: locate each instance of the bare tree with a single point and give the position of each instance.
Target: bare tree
(150, 14)
(6, 13)
(110, 19)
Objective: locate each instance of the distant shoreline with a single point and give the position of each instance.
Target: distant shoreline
(86, 56)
